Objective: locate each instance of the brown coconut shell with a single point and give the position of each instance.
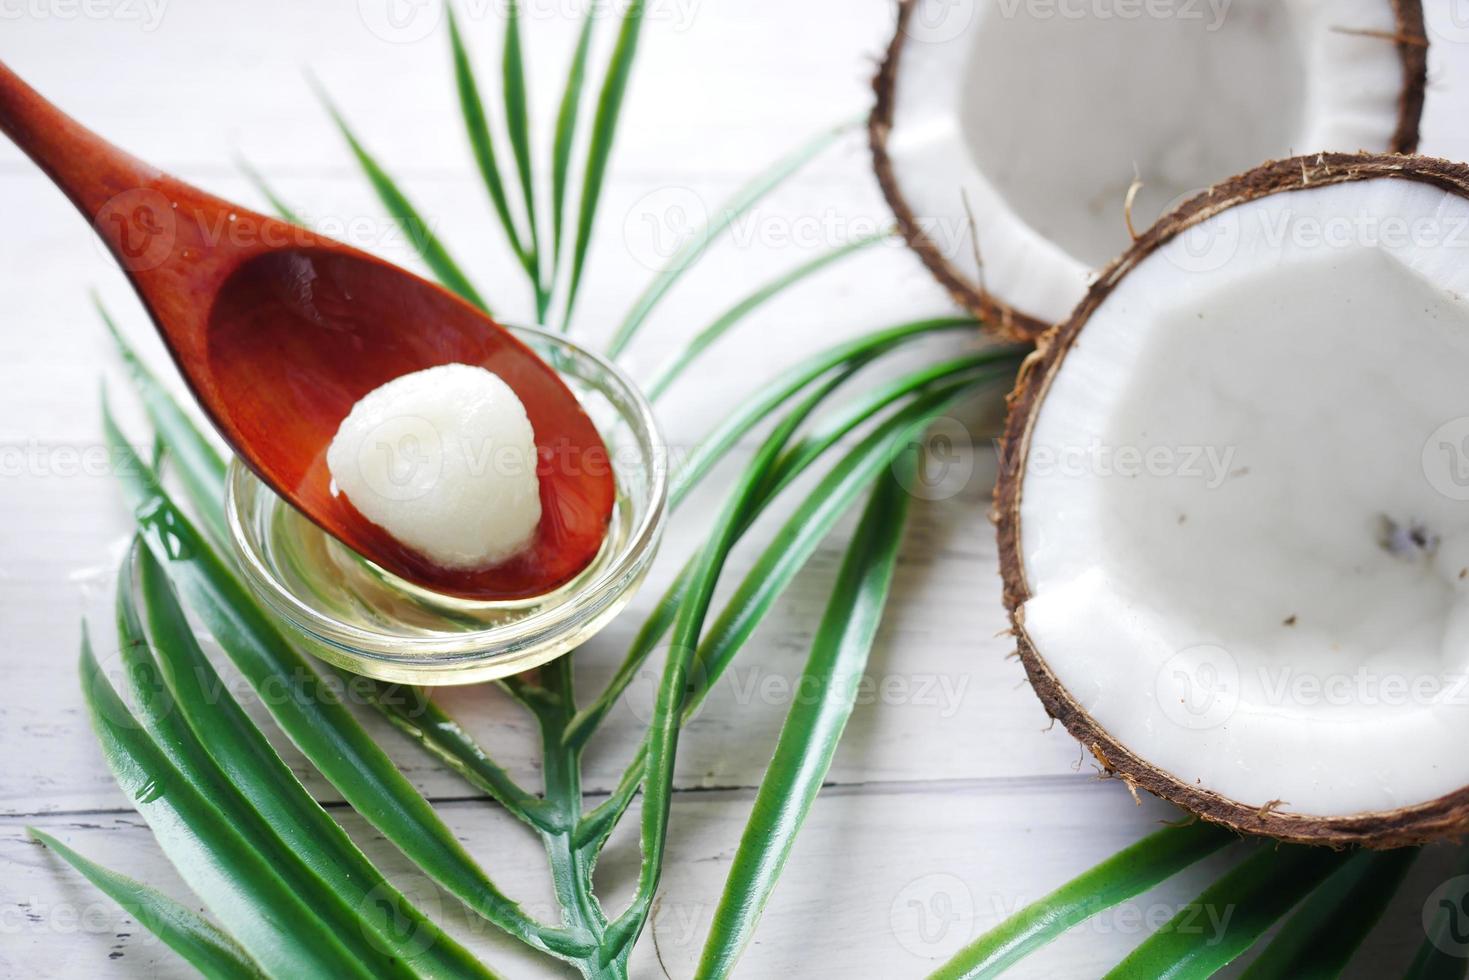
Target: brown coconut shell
(999, 317)
(1447, 816)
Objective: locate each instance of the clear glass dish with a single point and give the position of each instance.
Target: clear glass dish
(358, 616)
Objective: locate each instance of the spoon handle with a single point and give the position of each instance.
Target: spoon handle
(90, 171)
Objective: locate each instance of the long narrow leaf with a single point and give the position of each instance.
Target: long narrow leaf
(566, 119)
(477, 126)
(420, 235)
(813, 727)
(333, 913)
(200, 466)
(660, 620)
(517, 127)
(705, 338)
(690, 252)
(792, 463)
(1227, 919)
(661, 743)
(790, 383)
(205, 948)
(275, 927)
(1125, 875)
(416, 715)
(1320, 938)
(599, 148)
(983, 367)
(682, 688)
(310, 714)
(269, 800)
(792, 546)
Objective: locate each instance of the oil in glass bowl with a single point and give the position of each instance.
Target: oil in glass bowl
(358, 616)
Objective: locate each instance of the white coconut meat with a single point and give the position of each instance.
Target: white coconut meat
(1026, 123)
(444, 460)
(1245, 507)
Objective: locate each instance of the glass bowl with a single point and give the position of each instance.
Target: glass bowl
(358, 616)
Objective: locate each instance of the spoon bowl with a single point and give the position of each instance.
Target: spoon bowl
(279, 331)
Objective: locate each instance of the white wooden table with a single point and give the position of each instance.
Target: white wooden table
(950, 805)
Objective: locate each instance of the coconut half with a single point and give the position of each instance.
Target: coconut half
(1007, 133)
(1234, 505)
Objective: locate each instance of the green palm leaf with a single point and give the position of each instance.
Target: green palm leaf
(211, 857)
(1227, 919)
(581, 727)
(682, 689)
(200, 466)
(809, 737)
(179, 744)
(566, 119)
(316, 721)
(690, 252)
(986, 367)
(517, 127)
(1125, 875)
(1321, 937)
(420, 235)
(477, 126)
(599, 149)
(706, 337)
(416, 715)
(661, 744)
(241, 766)
(205, 948)
(790, 383)
(790, 464)
(794, 543)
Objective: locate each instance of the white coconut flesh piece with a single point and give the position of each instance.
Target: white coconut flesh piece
(1008, 133)
(444, 460)
(1235, 512)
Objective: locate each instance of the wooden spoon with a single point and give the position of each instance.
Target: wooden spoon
(279, 331)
